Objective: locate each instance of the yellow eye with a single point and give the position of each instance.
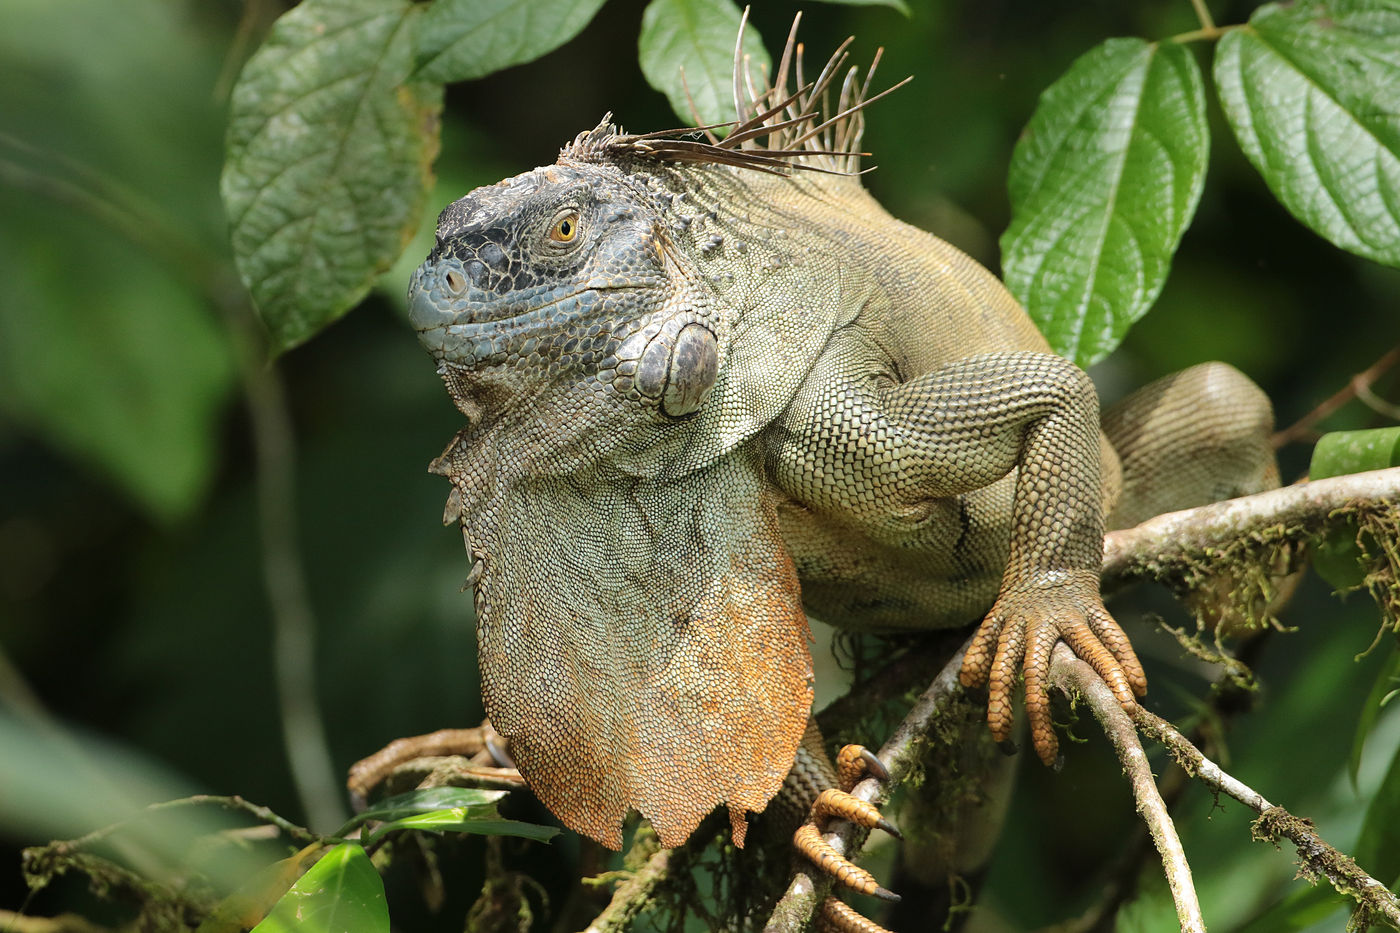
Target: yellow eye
(565, 228)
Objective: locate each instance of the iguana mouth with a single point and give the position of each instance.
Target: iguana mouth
(478, 326)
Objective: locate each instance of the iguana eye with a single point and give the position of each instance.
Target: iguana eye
(565, 227)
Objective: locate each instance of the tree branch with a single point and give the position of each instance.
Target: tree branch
(1358, 387)
(1293, 512)
(1075, 678)
(1316, 856)
(1157, 549)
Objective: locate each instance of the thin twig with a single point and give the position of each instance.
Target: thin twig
(238, 804)
(235, 802)
(1074, 677)
(1302, 429)
(1316, 856)
(630, 896)
(1203, 14)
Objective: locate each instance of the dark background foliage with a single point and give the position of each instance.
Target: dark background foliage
(132, 605)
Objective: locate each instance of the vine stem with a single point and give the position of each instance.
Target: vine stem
(1203, 14)
(294, 622)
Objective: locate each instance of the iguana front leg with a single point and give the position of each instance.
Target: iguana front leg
(1042, 415)
(929, 459)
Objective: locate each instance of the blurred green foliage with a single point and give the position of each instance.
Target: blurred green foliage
(132, 604)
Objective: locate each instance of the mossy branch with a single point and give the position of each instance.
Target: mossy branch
(1168, 548)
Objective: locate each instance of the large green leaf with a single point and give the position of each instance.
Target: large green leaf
(108, 152)
(1312, 91)
(340, 893)
(687, 52)
(1384, 690)
(461, 39)
(1103, 183)
(1378, 847)
(330, 148)
(1301, 909)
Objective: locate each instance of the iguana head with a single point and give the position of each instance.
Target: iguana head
(561, 280)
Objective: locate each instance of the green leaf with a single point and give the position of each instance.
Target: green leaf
(109, 349)
(462, 39)
(1302, 909)
(1336, 557)
(1103, 183)
(1311, 91)
(1378, 847)
(464, 820)
(110, 358)
(424, 801)
(896, 4)
(340, 893)
(1341, 452)
(330, 148)
(687, 52)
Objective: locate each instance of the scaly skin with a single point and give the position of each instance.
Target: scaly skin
(690, 385)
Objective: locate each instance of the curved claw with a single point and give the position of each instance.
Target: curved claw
(840, 804)
(839, 916)
(808, 840)
(853, 762)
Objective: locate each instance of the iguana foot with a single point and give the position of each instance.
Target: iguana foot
(482, 745)
(853, 763)
(1019, 634)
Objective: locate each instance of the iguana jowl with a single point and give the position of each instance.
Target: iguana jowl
(695, 374)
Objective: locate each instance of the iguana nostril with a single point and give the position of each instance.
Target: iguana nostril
(456, 283)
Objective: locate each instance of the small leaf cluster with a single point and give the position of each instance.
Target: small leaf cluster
(333, 886)
(1108, 175)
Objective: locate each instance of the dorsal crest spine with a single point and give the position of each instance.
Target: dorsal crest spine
(774, 130)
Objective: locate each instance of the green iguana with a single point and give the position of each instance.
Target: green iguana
(712, 386)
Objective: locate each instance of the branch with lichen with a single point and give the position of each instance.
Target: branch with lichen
(1075, 678)
(1317, 858)
(1171, 545)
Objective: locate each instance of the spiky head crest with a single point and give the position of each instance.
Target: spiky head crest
(774, 130)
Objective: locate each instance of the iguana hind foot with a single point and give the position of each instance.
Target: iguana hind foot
(839, 917)
(482, 746)
(853, 763)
